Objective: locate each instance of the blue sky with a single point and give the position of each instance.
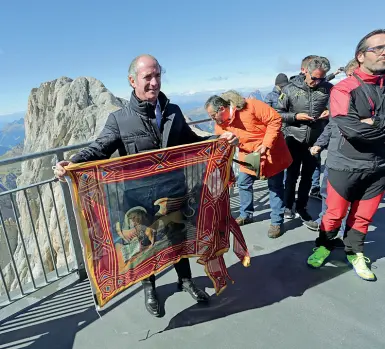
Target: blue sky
(203, 45)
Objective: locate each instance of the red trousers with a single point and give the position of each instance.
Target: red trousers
(364, 192)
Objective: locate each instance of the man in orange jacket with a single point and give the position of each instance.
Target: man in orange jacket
(258, 128)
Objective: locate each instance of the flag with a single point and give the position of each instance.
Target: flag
(139, 214)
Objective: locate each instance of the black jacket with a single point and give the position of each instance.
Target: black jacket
(358, 146)
(134, 129)
(298, 97)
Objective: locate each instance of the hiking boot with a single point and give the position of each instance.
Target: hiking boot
(274, 231)
(315, 193)
(243, 221)
(289, 214)
(317, 259)
(358, 262)
(307, 220)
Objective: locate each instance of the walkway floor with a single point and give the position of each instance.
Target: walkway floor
(277, 303)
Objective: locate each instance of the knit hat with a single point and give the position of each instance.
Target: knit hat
(281, 80)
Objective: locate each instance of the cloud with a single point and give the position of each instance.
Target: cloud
(283, 65)
(219, 78)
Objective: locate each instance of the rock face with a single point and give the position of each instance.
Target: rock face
(60, 112)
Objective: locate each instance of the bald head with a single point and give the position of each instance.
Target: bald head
(144, 75)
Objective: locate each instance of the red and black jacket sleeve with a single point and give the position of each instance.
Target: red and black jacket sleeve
(344, 111)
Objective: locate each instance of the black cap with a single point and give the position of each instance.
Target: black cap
(281, 80)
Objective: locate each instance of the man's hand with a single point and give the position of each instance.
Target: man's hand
(230, 137)
(261, 150)
(303, 117)
(60, 171)
(315, 150)
(368, 121)
(325, 114)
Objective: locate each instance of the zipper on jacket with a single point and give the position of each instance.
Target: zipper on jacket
(342, 142)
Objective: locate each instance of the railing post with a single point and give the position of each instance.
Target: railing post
(71, 222)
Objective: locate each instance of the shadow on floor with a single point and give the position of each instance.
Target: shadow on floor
(55, 321)
(271, 278)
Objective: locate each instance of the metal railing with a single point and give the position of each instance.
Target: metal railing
(14, 282)
(18, 277)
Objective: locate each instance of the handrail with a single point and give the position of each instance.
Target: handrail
(42, 153)
(64, 149)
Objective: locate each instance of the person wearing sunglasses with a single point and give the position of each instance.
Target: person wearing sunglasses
(303, 108)
(356, 156)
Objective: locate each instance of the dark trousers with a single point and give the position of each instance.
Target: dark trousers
(301, 157)
(364, 192)
(182, 268)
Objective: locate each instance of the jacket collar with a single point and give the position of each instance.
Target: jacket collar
(146, 108)
(370, 79)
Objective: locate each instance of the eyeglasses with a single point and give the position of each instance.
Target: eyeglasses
(378, 50)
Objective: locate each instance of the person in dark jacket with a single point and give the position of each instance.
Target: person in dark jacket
(272, 97)
(149, 122)
(303, 108)
(356, 156)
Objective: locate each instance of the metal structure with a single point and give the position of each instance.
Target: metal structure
(19, 289)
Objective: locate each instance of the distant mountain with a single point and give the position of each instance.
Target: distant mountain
(17, 150)
(11, 134)
(7, 118)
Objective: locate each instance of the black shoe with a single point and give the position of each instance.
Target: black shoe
(150, 298)
(315, 193)
(289, 214)
(189, 286)
(307, 220)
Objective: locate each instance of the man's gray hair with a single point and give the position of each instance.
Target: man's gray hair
(306, 61)
(133, 68)
(216, 102)
(321, 63)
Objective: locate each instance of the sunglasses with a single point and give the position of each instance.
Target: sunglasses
(317, 79)
(378, 50)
